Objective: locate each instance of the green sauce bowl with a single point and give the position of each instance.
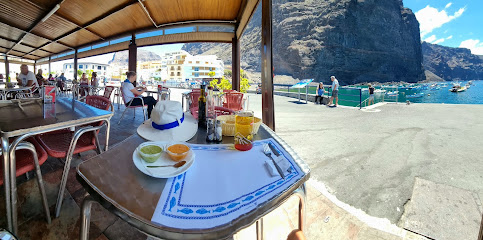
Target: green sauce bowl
(150, 152)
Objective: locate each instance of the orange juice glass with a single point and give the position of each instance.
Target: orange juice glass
(243, 130)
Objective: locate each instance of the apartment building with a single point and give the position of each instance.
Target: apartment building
(102, 70)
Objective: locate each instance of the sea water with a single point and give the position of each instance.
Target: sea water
(351, 96)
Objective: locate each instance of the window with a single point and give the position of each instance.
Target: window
(104, 68)
(197, 69)
(190, 62)
(70, 66)
(99, 68)
(206, 62)
(81, 66)
(198, 62)
(172, 68)
(197, 74)
(179, 74)
(172, 74)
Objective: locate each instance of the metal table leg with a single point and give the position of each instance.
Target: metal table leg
(301, 193)
(6, 182)
(108, 130)
(260, 229)
(85, 218)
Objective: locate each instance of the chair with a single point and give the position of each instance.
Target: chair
(218, 110)
(29, 156)
(128, 105)
(65, 143)
(233, 101)
(108, 91)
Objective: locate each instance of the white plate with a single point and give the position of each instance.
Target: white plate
(162, 172)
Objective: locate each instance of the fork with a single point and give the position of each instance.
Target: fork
(268, 153)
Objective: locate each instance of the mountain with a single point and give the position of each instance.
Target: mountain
(450, 63)
(121, 58)
(355, 40)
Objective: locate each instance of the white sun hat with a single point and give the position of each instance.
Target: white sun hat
(168, 123)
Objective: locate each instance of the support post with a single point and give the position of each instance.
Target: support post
(7, 69)
(75, 64)
(235, 70)
(49, 66)
(268, 111)
(35, 67)
(132, 54)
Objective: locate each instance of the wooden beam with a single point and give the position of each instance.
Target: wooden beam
(31, 28)
(19, 51)
(115, 10)
(27, 45)
(7, 68)
(235, 64)
(268, 112)
(132, 59)
(247, 15)
(68, 20)
(75, 65)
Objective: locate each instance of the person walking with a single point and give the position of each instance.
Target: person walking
(319, 95)
(335, 91)
(371, 95)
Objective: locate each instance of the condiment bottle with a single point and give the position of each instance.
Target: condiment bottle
(202, 108)
(218, 131)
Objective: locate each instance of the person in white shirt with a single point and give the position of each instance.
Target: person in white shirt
(335, 91)
(129, 93)
(27, 78)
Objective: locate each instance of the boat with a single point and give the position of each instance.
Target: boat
(457, 88)
(379, 91)
(392, 94)
(416, 95)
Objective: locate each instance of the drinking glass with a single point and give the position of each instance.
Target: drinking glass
(243, 130)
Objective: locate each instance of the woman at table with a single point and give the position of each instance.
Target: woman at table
(130, 92)
(84, 85)
(94, 81)
(40, 78)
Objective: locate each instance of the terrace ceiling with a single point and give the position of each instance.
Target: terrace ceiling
(27, 30)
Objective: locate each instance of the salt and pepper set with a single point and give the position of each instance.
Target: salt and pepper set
(207, 116)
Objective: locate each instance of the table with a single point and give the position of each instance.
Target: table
(112, 180)
(27, 117)
(5, 91)
(165, 92)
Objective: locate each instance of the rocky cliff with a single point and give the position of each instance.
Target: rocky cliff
(355, 40)
(121, 58)
(452, 63)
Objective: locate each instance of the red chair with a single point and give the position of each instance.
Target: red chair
(218, 110)
(128, 105)
(29, 156)
(233, 101)
(65, 143)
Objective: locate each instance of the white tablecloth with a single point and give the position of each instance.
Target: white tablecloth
(222, 185)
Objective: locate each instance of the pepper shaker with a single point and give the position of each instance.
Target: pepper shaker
(218, 131)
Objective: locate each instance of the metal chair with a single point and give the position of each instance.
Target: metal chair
(108, 91)
(65, 143)
(29, 156)
(128, 105)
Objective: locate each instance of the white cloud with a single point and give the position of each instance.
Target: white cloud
(448, 5)
(430, 18)
(438, 41)
(474, 45)
(430, 39)
(450, 37)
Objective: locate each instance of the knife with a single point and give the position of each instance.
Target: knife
(277, 153)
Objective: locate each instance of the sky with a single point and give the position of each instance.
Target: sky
(456, 23)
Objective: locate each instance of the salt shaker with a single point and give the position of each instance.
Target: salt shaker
(218, 131)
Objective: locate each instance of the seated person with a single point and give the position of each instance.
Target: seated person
(40, 79)
(84, 84)
(130, 92)
(27, 78)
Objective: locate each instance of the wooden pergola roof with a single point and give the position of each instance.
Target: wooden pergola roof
(38, 29)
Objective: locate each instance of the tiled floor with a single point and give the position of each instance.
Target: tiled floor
(324, 220)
